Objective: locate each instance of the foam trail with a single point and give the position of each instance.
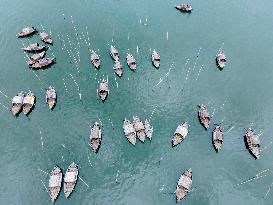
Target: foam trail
(167, 35)
(43, 171)
(44, 186)
(137, 48)
(117, 176)
(89, 160)
(249, 180)
(42, 143)
(230, 129)
(197, 57)
(266, 146)
(65, 85)
(152, 113)
(268, 190)
(84, 182)
(199, 72)
(128, 36)
(80, 95)
(140, 21)
(4, 94)
(5, 107)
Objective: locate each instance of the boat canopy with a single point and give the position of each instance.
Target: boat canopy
(29, 100)
(70, 177)
(255, 140)
(185, 182)
(181, 130)
(55, 181)
(17, 100)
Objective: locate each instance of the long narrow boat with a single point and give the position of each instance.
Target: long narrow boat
(27, 31)
(221, 60)
(55, 183)
(45, 38)
(180, 133)
(118, 68)
(95, 59)
(95, 137)
(183, 8)
(35, 57)
(148, 129)
(70, 179)
(103, 90)
(34, 47)
(131, 61)
(129, 131)
(17, 103)
(42, 63)
(139, 127)
(217, 138)
(28, 102)
(183, 185)
(51, 97)
(114, 53)
(204, 116)
(252, 143)
(156, 59)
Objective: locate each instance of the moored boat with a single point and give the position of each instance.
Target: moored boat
(221, 59)
(252, 143)
(51, 97)
(217, 138)
(44, 62)
(26, 31)
(70, 179)
(183, 186)
(114, 53)
(139, 128)
(55, 183)
(184, 8)
(129, 131)
(35, 57)
(131, 61)
(17, 103)
(95, 137)
(156, 59)
(118, 68)
(103, 90)
(95, 59)
(45, 38)
(34, 47)
(148, 129)
(28, 102)
(204, 116)
(180, 133)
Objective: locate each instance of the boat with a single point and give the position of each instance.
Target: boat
(148, 129)
(217, 138)
(155, 59)
(34, 47)
(95, 59)
(139, 128)
(70, 179)
(45, 38)
(95, 137)
(44, 62)
(253, 143)
(180, 133)
(103, 90)
(17, 103)
(183, 8)
(118, 68)
(131, 61)
(28, 102)
(27, 31)
(183, 186)
(55, 183)
(221, 60)
(51, 97)
(114, 53)
(129, 131)
(204, 116)
(35, 57)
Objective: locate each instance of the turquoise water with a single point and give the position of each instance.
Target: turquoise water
(239, 96)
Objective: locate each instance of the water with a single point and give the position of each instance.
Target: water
(239, 96)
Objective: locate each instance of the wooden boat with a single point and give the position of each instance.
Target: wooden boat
(155, 59)
(70, 179)
(148, 129)
(139, 128)
(183, 185)
(45, 38)
(95, 59)
(103, 90)
(35, 57)
(204, 116)
(217, 138)
(34, 47)
(51, 97)
(17, 103)
(131, 61)
(252, 143)
(114, 53)
(28, 102)
(221, 60)
(180, 133)
(118, 68)
(55, 183)
(27, 31)
(129, 131)
(183, 8)
(44, 62)
(95, 137)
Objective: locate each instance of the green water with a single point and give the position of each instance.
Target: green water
(239, 96)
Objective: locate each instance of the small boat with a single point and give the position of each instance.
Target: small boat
(183, 186)
(17, 103)
(253, 143)
(148, 129)
(95, 137)
(118, 68)
(35, 57)
(180, 133)
(95, 59)
(131, 61)
(114, 53)
(28, 102)
(45, 38)
(27, 31)
(221, 60)
(184, 8)
(103, 90)
(44, 62)
(217, 138)
(70, 179)
(129, 131)
(155, 59)
(34, 47)
(55, 183)
(139, 128)
(204, 116)
(51, 97)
